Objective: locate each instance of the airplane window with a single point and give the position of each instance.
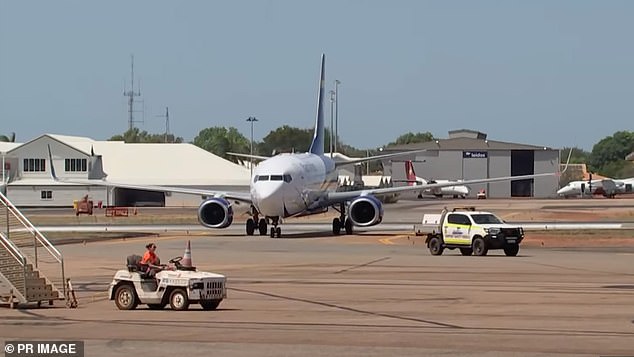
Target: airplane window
(263, 178)
(288, 178)
(276, 177)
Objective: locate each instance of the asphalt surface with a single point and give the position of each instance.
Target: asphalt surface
(372, 294)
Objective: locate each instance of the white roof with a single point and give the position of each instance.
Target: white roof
(166, 164)
(6, 146)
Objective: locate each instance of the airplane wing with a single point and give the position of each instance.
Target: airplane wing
(235, 196)
(254, 157)
(374, 158)
(338, 197)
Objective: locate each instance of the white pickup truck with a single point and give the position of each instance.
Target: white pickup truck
(471, 231)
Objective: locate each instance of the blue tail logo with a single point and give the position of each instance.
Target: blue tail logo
(317, 146)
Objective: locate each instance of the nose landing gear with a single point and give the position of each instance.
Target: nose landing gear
(275, 230)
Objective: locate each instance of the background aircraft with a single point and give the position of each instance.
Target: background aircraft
(453, 191)
(297, 184)
(607, 187)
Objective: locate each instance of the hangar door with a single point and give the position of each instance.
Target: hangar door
(125, 197)
(522, 163)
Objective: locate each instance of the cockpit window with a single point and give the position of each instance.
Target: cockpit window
(287, 178)
(276, 177)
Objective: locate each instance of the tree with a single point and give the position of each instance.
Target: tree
(8, 139)
(607, 157)
(411, 138)
(135, 135)
(220, 140)
(579, 156)
(287, 139)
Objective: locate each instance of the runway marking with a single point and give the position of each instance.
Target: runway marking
(136, 240)
(388, 241)
(362, 265)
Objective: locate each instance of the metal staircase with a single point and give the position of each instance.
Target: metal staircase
(31, 268)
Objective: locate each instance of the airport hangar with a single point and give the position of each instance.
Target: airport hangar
(30, 184)
(468, 155)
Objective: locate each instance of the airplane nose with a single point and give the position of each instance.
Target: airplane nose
(270, 198)
(563, 191)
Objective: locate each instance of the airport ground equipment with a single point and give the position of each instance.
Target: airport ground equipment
(31, 268)
(179, 287)
(83, 206)
(471, 231)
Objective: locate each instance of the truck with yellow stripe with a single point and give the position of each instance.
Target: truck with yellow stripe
(472, 232)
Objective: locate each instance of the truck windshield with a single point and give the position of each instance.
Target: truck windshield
(485, 219)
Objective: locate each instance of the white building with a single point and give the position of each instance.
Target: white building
(28, 172)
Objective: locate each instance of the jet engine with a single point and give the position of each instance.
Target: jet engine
(365, 211)
(215, 213)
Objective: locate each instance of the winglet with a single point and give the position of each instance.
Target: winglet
(50, 156)
(317, 146)
(567, 162)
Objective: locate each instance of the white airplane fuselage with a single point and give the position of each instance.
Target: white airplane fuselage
(458, 190)
(287, 184)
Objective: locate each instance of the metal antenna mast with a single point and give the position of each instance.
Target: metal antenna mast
(131, 94)
(167, 122)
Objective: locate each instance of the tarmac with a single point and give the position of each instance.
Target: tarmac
(371, 294)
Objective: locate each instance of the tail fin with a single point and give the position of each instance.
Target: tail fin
(409, 172)
(317, 146)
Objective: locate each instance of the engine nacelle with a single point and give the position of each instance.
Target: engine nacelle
(215, 212)
(365, 211)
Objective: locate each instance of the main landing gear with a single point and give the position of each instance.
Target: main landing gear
(342, 221)
(262, 224)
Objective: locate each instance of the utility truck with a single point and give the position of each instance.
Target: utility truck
(473, 232)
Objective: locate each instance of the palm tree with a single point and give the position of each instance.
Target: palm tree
(8, 139)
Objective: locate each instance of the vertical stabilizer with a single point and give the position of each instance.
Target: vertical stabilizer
(409, 172)
(317, 146)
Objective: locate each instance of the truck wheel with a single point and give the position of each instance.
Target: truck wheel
(466, 251)
(210, 304)
(179, 300)
(480, 247)
(435, 246)
(511, 249)
(125, 298)
(156, 306)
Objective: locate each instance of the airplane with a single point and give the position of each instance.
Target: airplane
(607, 187)
(455, 191)
(295, 184)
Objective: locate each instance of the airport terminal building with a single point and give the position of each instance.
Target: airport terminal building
(468, 155)
(27, 171)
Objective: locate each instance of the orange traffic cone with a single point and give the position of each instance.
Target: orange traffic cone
(187, 258)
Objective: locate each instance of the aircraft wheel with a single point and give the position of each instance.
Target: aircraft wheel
(125, 297)
(250, 226)
(278, 232)
(179, 300)
(262, 226)
(348, 226)
(272, 232)
(336, 226)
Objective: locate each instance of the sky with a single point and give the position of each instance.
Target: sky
(548, 73)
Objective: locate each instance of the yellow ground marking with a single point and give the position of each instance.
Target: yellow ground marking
(388, 241)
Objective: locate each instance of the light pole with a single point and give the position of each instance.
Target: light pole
(332, 100)
(337, 82)
(251, 120)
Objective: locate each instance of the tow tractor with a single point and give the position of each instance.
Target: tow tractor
(179, 287)
(471, 231)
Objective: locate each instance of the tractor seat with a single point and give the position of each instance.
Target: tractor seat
(133, 263)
